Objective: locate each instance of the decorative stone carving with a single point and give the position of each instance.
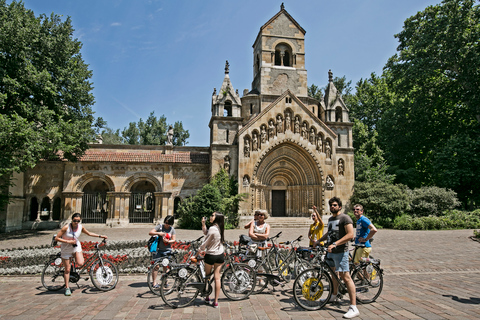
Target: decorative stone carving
(297, 125)
(246, 149)
(304, 131)
(279, 124)
(329, 183)
(312, 136)
(287, 121)
(341, 167)
(319, 143)
(255, 142)
(170, 136)
(263, 134)
(246, 182)
(328, 150)
(226, 163)
(271, 130)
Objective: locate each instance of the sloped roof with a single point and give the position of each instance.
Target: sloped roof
(144, 156)
(283, 11)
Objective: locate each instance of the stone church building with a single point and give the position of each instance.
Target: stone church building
(287, 150)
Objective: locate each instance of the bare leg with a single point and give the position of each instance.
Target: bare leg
(66, 272)
(350, 287)
(216, 271)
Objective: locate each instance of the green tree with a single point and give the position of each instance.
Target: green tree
(436, 75)
(154, 132)
(315, 92)
(220, 194)
(45, 92)
(382, 201)
(109, 136)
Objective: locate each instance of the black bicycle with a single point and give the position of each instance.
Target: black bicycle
(184, 282)
(159, 265)
(103, 273)
(313, 287)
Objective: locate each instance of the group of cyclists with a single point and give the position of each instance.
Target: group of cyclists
(340, 232)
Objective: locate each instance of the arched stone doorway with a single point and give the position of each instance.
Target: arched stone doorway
(142, 202)
(94, 202)
(287, 181)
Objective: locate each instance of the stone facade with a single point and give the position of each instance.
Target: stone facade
(287, 150)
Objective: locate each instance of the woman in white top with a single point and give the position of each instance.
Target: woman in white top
(260, 230)
(214, 251)
(71, 247)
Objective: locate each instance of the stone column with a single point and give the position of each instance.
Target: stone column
(51, 210)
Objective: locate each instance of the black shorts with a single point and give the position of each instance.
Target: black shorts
(211, 259)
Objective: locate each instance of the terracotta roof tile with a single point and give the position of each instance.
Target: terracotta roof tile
(93, 155)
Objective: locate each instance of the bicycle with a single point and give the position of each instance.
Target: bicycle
(184, 282)
(158, 265)
(275, 268)
(103, 273)
(312, 288)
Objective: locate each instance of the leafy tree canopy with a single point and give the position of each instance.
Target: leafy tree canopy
(153, 131)
(436, 77)
(221, 194)
(45, 92)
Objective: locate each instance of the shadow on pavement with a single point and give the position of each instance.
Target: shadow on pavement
(471, 300)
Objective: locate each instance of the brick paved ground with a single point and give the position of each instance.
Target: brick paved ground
(428, 275)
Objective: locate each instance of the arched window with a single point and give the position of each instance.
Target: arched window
(227, 110)
(283, 55)
(257, 64)
(57, 208)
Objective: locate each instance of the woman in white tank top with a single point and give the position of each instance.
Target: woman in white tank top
(260, 230)
(71, 246)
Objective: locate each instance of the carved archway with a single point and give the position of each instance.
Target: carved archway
(89, 177)
(291, 169)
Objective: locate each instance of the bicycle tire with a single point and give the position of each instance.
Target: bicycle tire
(261, 282)
(104, 278)
(312, 289)
(301, 265)
(368, 288)
(238, 281)
(52, 275)
(158, 267)
(174, 289)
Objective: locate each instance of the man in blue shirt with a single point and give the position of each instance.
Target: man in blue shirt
(364, 232)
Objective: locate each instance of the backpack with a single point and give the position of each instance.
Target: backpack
(152, 244)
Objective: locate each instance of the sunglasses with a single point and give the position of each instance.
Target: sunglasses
(259, 214)
(77, 221)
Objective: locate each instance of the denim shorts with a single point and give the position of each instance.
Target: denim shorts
(339, 261)
(160, 254)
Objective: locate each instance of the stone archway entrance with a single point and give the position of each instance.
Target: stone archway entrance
(142, 203)
(287, 182)
(94, 202)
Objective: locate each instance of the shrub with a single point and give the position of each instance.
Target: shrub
(433, 200)
(381, 201)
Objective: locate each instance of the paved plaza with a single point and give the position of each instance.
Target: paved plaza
(427, 275)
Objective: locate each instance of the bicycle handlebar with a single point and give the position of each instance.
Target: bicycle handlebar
(274, 237)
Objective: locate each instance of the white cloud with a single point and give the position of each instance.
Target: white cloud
(115, 24)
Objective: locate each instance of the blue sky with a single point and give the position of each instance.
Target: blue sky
(168, 55)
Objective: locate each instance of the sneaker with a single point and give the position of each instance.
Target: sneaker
(215, 305)
(68, 292)
(207, 300)
(156, 286)
(351, 313)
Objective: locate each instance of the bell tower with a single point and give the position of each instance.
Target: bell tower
(279, 57)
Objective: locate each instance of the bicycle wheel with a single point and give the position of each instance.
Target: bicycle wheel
(301, 265)
(311, 289)
(261, 281)
(52, 275)
(175, 290)
(368, 283)
(104, 275)
(157, 268)
(238, 281)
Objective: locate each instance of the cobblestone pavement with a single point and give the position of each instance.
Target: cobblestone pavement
(427, 275)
